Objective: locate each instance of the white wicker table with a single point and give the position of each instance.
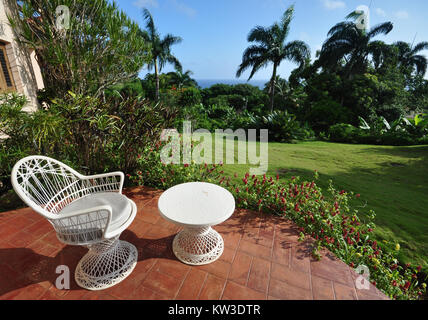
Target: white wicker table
(196, 206)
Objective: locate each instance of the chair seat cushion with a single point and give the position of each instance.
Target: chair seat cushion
(121, 206)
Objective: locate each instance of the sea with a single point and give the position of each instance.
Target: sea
(206, 83)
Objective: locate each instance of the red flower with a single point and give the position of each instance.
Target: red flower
(277, 177)
(419, 268)
(358, 195)
(407, 285)
(394, 283)
(186, 165)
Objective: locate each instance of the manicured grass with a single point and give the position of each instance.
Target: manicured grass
(393, 181)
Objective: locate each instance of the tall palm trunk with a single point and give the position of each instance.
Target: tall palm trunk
(157, 80)
(272, 87)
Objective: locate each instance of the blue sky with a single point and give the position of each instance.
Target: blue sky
(214, 32)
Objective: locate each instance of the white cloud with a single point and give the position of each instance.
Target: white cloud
(146, 3)
(334, 4)
(380, 12)
(181, 7)
(304, 36)
(402, 14)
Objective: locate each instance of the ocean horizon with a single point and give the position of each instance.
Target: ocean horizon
(206, 83)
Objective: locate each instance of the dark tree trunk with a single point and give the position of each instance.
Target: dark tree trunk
(157, 80)
(272, 87)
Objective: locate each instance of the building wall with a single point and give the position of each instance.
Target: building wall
(25, 70)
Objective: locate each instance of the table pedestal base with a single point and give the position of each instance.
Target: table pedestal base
(198, 246)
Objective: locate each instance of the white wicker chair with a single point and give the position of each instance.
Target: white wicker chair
(84, 210)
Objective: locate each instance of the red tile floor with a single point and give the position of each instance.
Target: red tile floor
(262, 259)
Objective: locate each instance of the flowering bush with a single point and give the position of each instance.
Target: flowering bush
(329, 220)
(153, 173)
(333, 225)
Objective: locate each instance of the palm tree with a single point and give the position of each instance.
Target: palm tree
(181, 79)
(272, 48)
(408, 56)
(350, 46)
(160, 48)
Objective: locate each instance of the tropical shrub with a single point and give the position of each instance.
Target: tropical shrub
(343, 132)
(189, 97)
(23, 134)
(325, 113)
(101, 47)
(86, 132)
(129, 88)
(400, 132)
(283, 127)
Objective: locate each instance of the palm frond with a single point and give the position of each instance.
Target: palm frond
(297, 51)
(420, 62)
(150, 24)
(383, 28)
(259, 34)
(170, 40)
(419, 47)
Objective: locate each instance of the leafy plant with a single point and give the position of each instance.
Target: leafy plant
(282, 126)
(101, 47)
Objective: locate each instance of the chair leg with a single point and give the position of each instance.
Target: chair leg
(107, 263)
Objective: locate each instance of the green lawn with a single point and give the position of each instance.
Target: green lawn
(392, 180)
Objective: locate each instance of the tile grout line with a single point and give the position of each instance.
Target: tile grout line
(271, 264)
(249, 271)
(200, 289)
(310, 280)
(353, 287)
(202, 286)
(230, 269)
(145, 277)
(334, 291)
(182, 282)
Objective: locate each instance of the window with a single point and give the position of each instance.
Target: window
(6, 80)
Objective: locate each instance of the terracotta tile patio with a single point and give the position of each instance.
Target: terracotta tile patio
(262, 260)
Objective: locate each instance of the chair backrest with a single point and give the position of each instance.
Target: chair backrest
(45, 184)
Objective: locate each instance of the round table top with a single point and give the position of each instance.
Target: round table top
(196, 204)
